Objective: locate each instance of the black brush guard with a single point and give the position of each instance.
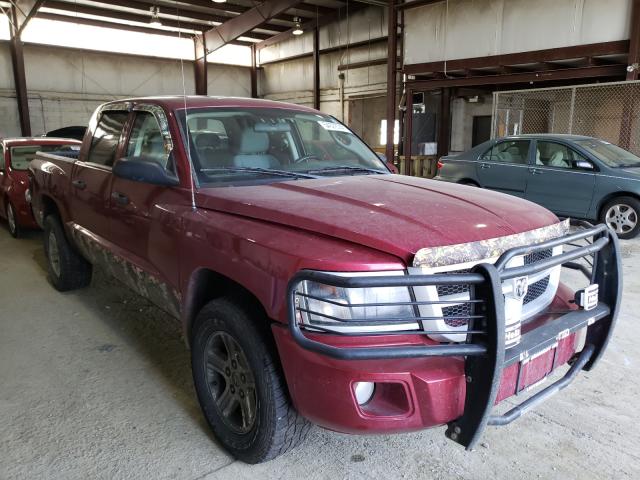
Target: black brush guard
(484, 350)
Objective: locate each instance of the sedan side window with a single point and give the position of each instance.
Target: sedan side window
(552, 154)
(106, 137)
(146, 141)
(513, 151)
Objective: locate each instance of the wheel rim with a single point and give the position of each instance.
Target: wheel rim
(622, 218)
(231, 382)
(53, 254)
(11, 218)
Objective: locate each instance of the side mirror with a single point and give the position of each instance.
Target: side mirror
(584, 165)
(139, 170)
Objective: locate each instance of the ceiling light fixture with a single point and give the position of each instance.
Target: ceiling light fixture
(155, 17)
(219, 1)
(297, 29)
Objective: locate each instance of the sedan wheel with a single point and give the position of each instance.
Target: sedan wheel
(622, 218)
(621, 215)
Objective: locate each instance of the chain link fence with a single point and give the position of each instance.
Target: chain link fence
(610, 111)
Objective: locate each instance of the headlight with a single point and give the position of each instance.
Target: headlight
(357, 310)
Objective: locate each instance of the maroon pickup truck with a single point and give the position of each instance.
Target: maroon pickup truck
(315, 285)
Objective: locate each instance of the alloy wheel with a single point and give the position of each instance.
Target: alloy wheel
(54, 254)
(11, 219)
(231, 382)
(622, 218)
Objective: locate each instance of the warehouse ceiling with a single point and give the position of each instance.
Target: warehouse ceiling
(240, 22)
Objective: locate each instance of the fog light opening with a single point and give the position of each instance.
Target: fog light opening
(364, 392)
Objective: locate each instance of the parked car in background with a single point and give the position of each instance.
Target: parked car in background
(15, 155)
(311, 282)
(571, 175)
(74, 131)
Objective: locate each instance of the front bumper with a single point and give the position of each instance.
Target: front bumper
(424, 383)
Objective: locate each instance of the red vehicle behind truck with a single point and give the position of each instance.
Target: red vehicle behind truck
(15, 155)
(315, 285)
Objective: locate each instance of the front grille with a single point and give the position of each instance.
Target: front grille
(536, 289)
(444, 290)
(537, 256)
(461, 310)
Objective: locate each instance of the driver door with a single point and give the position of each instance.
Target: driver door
(558, 182)
(142, 224)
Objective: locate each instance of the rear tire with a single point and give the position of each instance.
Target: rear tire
(469, 183)
(68, 270)
(12, 221)
(239, 384)
(622, 215)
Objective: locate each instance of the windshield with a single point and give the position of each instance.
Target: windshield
(21, 156)
(610, 154)
(228, 145)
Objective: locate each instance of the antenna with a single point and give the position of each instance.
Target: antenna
(186, 123)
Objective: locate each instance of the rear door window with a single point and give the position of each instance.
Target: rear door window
(512, 151)
(106, 137)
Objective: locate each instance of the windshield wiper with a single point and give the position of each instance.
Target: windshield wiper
(267, 171)
(630, 165)
(346, 168)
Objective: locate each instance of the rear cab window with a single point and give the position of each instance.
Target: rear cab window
(21, 156)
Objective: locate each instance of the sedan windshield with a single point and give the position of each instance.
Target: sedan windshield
(21, 156)
(610, 154)
(249, 144)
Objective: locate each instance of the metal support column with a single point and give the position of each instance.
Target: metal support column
(444, 122)
(392, 65)
(19, 76)
(254, 72)
(316, 68)
(200, 65)
(633, 72)
(408, 137)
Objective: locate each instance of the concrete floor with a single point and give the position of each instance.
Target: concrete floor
(97, 384)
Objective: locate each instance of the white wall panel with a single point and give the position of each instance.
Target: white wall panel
(476, 28)
(66, 85)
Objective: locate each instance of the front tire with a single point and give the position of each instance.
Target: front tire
(12, 221)
(240, 387)
(622, 215)
(68, 270)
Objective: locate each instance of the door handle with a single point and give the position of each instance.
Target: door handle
(485, 165)
(535, 171)
(80, 184)
(120, 198)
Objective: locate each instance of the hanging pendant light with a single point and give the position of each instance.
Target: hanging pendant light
(297, 28)
(155, 17)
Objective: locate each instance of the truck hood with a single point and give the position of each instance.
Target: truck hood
(391, 213)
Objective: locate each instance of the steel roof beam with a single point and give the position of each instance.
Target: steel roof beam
(243, 24)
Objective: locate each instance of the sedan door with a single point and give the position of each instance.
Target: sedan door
(561, 179)
(503, 167)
